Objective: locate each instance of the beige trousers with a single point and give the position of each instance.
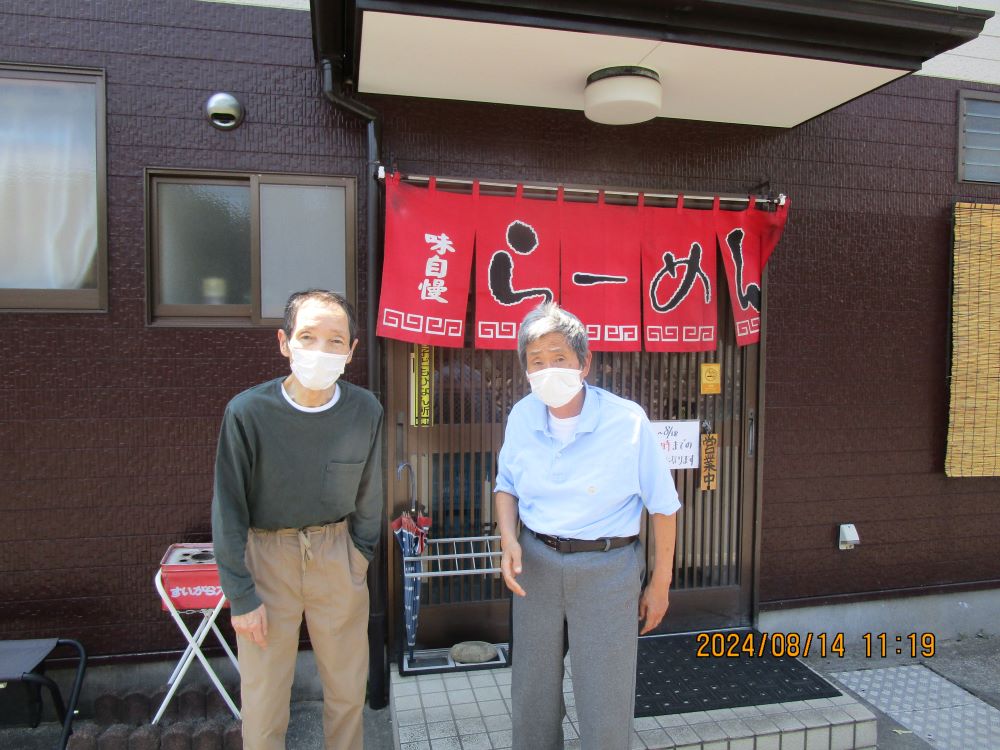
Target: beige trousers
(317, 572)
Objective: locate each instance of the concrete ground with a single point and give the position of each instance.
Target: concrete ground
(972, 663)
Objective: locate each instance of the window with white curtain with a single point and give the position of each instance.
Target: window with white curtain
(53, 248)
(229, 248)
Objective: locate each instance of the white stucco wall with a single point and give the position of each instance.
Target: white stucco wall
(979, 60)
(287, 4)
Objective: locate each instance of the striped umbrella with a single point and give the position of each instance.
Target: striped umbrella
(411, 532)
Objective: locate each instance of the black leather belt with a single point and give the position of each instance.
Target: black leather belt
(561, 544)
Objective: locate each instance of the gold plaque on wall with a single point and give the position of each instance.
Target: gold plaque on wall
(711, 378)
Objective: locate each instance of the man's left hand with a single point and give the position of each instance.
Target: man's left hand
(653, 605)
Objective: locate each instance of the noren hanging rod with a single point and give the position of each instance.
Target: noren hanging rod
(552, 188)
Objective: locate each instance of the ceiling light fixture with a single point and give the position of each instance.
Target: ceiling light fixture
(622, 95)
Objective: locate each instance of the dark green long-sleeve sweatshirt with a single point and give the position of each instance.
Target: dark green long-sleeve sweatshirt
(278, 467)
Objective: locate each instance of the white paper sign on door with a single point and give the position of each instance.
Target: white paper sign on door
(679, 441)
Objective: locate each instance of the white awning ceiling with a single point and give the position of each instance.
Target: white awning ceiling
(443, 58)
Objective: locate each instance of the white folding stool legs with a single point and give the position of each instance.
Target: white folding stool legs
(194, 649)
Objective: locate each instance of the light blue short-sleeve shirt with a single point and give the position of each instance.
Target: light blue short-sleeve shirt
(597, 484)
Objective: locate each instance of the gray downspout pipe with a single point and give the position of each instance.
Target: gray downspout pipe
(378, 667)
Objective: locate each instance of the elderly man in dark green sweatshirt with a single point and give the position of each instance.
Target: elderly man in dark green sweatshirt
(295, 519)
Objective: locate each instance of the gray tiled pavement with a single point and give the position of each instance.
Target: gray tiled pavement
(962, 678)
(471, 711)
(972, 664)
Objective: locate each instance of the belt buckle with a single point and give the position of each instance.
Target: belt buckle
(607, 544)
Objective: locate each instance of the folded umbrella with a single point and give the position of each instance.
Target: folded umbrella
(410, 529)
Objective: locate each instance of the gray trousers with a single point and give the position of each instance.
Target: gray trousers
(595, 596)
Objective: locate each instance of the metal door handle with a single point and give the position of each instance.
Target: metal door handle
(751, 432)
(413, 483)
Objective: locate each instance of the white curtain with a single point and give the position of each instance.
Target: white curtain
(48, 183)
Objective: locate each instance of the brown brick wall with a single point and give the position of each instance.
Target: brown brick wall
(107, 427)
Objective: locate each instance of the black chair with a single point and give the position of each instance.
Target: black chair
(23, 661)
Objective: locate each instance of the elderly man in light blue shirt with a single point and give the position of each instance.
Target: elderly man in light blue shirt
(578, 465)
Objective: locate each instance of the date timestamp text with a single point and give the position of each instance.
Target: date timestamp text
(754, 644)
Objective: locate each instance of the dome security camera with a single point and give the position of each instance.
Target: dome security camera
(224, 111)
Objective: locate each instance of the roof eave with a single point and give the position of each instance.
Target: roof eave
(896, 34)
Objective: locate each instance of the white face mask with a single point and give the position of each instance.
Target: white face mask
(555, 386)
(317, 370)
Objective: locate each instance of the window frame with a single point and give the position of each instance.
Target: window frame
(236, 316)
(965, 95)
(71, 300)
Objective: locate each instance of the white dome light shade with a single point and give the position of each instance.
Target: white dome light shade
(622, 95)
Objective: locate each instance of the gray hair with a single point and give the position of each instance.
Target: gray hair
(548, 318)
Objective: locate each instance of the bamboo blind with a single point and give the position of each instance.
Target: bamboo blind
(974, 422)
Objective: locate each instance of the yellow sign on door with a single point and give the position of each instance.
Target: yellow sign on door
(711, 378)
(422, 386)
(709, 461)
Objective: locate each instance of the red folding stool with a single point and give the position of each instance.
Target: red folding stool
(188, 581)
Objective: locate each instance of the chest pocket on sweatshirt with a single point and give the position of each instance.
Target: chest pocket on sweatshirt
(340, 485)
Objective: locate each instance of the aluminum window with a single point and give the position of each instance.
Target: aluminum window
(979, 136)
(228, 248)
(52, 189)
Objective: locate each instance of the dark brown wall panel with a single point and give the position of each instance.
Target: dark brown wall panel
(108, 427)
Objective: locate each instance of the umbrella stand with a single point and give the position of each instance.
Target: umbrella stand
(454, 556)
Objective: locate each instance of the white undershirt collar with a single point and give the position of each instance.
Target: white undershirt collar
(562, 429)
(312, 409)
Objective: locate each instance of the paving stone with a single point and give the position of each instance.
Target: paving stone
(483, 679)
(437, 713)
(156, 700)
(465, 711)
(207, 736)
(470, 726)
(407, 702)
(501, 739)
(456, 682)
(114, 737)
(136, 709)
(497, 723)
(406, 718)
(414, 733)
(84, 736)
(655, 738)
(191, 704)
(215, 704)
(476, 742)
(144, 738)
(793, 740)
(768, 742)
(232, 736)
(106, 709)
(493, 708)
(400, 689)
(176, 737)
(441, 729)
